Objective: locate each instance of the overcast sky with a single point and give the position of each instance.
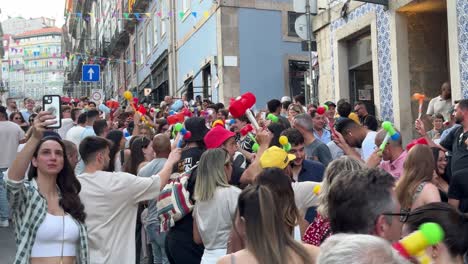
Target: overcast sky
(33, 8)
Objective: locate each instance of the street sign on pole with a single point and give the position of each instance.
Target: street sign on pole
(90, 73)
(97, 95)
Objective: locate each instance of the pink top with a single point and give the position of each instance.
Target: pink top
(395, 168)
(317, 231)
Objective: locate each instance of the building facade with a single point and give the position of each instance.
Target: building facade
(381, 55)
(33, 64)
(227, 48)
(215, 49)
(18, 25)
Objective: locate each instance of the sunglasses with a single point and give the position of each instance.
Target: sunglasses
(462, 138)
(403, 215)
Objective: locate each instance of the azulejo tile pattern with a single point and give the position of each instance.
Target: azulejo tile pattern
(462, 13)
(383, 50)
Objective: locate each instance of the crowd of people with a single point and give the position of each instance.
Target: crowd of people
(131, 185)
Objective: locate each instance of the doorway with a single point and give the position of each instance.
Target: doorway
(360, 70)
(362, 86)
(428, 50)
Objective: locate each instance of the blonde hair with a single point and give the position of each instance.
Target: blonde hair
(418, 168)
(344, 163)
(211, 173)
(296, 108)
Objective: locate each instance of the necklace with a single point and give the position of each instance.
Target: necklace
(63, 236)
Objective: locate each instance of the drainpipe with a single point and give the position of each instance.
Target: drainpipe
(172, 49)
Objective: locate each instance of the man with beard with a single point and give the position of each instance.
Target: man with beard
(457, 143)
(442, 103)
(303, 169)
(351, 135)
(111, 201)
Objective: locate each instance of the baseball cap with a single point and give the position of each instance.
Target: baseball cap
(330, 103)
(285, 99)
(217, 136)
(276, 157)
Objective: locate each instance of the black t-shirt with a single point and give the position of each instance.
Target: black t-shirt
(458, 188)
(455, 143)
(246, 143)
(239, 164)
(189, 158)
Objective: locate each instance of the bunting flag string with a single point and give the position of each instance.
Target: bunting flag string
(130, 16)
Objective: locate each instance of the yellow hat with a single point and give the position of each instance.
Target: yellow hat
(275, 157)
(353, 116)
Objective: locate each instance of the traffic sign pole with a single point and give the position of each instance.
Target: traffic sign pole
(90, 73)
(309, 46)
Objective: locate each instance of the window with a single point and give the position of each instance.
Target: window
(134, 56)
(149, 38)
(185, 5)
(163, 18)
(155, 30)
(141, 43)
(292, 16)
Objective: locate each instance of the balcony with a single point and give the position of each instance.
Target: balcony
(17, 66)
(118, 43)
(139, 6)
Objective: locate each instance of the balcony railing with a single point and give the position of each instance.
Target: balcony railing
(118, 43)
(139, 6)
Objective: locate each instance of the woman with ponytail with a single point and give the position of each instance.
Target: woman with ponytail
(259, 223)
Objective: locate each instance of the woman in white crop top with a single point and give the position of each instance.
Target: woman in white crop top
(47, 211)
(216, 203)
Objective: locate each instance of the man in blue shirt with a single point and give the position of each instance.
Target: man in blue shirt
(29, 104)
(319, 122)
(303, 169)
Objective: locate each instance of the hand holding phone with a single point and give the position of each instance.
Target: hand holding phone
(52, 104)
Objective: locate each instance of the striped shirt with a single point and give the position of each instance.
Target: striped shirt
(29, 209)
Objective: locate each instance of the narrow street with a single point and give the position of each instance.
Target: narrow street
(7, 245)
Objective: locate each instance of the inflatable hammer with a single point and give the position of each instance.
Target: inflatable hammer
(179, 128)
(391, 134)
(129, 97)
(242, 106)
(175, 118)
(420, 97)
(283, 140)
(247, 130)
(272, 118)
(415, 244)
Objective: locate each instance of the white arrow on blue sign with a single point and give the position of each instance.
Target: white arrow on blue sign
(90, 73)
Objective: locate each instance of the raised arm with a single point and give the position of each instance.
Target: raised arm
(21, 163)
(263, 138)
(166, 171)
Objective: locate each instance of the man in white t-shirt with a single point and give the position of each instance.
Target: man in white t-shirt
(74, 134)
(352, 135)
(11, 135)
(442, 103)
(69, 119)
(111, 201)
(11, 106)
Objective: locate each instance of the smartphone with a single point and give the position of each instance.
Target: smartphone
(52, 103)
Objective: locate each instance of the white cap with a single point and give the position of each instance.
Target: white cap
(285, 99)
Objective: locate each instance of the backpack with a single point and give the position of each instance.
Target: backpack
(174, 200)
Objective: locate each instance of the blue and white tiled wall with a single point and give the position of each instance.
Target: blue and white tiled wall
(383, 50)
(462, 14)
